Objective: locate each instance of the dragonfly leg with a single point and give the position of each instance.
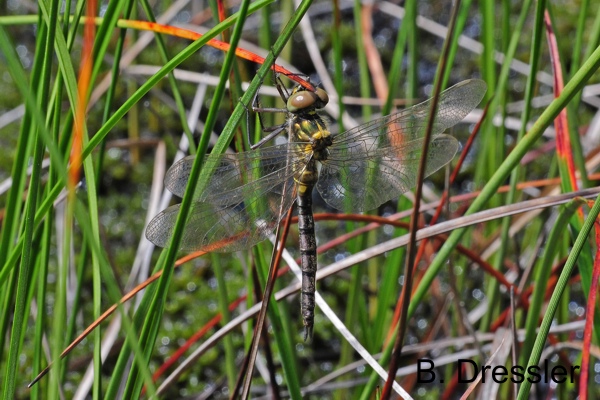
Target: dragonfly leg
(276, 131)
(283, 93)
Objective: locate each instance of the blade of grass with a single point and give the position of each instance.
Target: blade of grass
(491, 142)
(564, 150)
(230, 367)
(406, 29)
(589, 322)
(568, 147)
(542, 274)
(173, 83)
(27, 257)
(338, 77)
(536, 40)
(562, 283)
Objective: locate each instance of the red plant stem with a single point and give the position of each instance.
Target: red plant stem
(563, 140)
(589, 321)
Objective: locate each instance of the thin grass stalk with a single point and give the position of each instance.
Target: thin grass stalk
(589, 321)
(500, 100)
(72, 23)
(282, 327)
(593, 42)
(286, 12)
(565, 153)
(43, 60)
(268, 353)
(164, 55)
(413, 54)
(7, 306)
(110, 93)
(8, 230)
(59, 315)
(338, 72)
(583, 8)
(83, 262)
(13, 208)
(223, 298)
(265, 38)
(40, 322)
(112, 290)
(569, 148)
(24, 272)
(573, 159)
(563, 281)
(490, 160)
(363, 68)
(515, 177)
(141, 314)
(461, 21)
(542, 275)
(395, 72)
(564, 149)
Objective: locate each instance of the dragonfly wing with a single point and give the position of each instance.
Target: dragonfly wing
(213, 227)
(229, 170)
(365, 180)
(377, 161)
(245, 198)
(454, 105)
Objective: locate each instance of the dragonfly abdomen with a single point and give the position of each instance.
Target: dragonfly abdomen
(308, 258)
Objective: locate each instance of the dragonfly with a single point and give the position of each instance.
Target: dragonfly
(248, 193)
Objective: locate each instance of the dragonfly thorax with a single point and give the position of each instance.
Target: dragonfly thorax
(313, 131)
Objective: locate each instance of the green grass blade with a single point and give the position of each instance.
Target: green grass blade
(542, 274)
(554, 302)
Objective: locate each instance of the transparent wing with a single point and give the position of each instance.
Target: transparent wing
(363, 184)
(245, 198)
(377, 161)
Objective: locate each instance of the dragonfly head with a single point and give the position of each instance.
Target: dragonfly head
(302, 100)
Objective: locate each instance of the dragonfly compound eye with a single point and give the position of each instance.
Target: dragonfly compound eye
(301, 100)
(305, 100)
(323, 98)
